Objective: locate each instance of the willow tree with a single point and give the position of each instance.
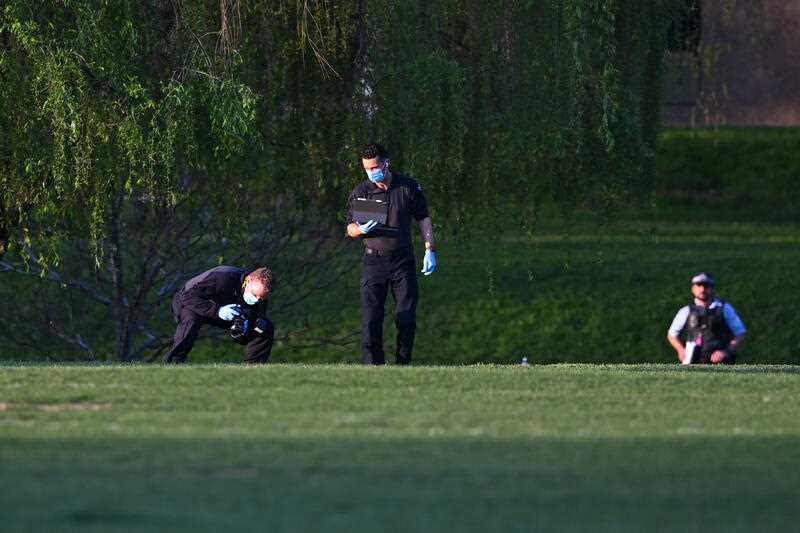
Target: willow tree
(127, 165)
(122, 121)
(556, 98)
(506, 105)
(102, 97)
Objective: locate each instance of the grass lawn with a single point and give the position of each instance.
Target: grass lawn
(347, 448)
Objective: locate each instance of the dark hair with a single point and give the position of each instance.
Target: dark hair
(265, 276)
(373, 150)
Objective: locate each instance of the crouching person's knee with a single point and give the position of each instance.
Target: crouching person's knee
(259, 346)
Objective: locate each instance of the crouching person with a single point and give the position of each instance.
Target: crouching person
(225, 297)
(710, 327)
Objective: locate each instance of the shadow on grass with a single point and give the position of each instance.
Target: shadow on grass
(372, 484)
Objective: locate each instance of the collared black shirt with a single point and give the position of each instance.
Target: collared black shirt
(405, 200)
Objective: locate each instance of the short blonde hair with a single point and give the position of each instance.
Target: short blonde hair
(265, 276)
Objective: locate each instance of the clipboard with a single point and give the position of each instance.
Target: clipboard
(365, 209)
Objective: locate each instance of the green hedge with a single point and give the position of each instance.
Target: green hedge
(604, 294)
(602, 290)
(734, 173)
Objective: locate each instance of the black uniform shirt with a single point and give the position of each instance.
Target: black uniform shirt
(405, 200)
(205, 293)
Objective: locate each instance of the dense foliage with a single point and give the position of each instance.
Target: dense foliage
(124, 120)
(107, 98)
(523, 98)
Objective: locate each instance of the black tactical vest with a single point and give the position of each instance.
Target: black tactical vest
(710, 327)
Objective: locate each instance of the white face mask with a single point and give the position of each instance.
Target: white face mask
(249, 298)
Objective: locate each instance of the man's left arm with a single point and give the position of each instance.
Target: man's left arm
(735, 344)
(426, 228)
(429, 261)
(736, 326)
(419, 211)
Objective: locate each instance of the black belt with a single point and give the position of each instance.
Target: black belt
(387, 253)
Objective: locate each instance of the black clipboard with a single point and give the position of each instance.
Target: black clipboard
(365, 209)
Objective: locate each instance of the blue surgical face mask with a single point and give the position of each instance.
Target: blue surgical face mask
(249, 298)
(377, 176)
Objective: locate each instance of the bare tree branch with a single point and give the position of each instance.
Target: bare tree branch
(55, 277)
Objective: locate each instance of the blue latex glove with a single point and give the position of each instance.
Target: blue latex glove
(429, 263)
(366, 227)
(229, 312)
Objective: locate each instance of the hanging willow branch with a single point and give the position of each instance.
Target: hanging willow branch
(98, 101)
(309, 32)
(230, 31)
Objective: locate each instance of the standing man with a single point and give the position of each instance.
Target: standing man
(710, 328)
(217, 297)
(388, 261)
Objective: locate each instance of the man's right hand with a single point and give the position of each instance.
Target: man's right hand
(229, 312)
(366, 227)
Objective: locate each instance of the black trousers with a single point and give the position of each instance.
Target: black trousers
(257, 346)
(381, 274)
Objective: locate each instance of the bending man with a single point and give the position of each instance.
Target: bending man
(217, 297)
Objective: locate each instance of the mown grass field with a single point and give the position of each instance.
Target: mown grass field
(348, 448)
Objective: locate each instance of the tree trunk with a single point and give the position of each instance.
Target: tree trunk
(356, 74)
(120, 313)
(5, 235)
